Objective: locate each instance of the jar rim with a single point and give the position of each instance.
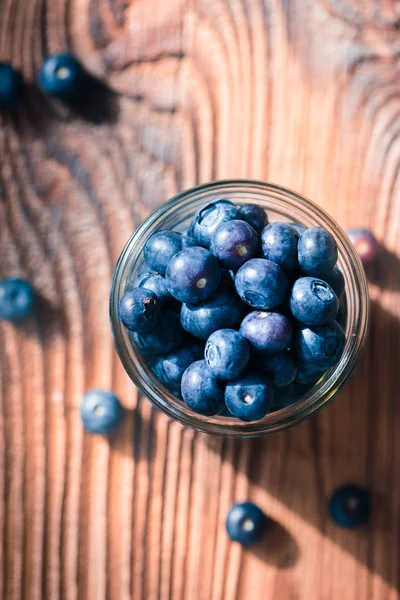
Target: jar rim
(272, 197)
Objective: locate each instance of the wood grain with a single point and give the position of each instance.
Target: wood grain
(304, 93)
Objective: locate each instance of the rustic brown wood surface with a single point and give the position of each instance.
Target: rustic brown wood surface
(304, 93)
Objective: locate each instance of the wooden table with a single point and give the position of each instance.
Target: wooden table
(302, 93)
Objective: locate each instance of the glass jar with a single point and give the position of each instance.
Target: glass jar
(281, 205)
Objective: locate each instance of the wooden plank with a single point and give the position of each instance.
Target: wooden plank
(300, 93)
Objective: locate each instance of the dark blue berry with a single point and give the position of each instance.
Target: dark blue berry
(246, 523)
(170, 367)
(101, 411)
(268, 332)
(139, 310)
(317, 252)
(298, 227)
(285, 396)
(17, 299)
(341, 317)
(208, 218)
(261, 283)
(318, 347)
(157, 284)
(308, 375)
(313, 301)
(161, 247)
(227, 353)
(193, 275)
(233, 243)
(61, 75)
(350, 506)
(249, 397)
(280, 368)
(336, 281)
(365, 243)
(279, 244)
(254, 215)
(222, 310)
(201, 391)
(10, 87)
(167, 336)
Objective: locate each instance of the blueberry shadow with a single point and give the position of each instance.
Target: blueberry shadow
(353, 440)
(96, 103)
(278, 547)
(385, 270)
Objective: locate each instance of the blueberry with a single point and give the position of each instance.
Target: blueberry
(284, 396)
(222, 310)
(350, 506)
(161, 247)
(279, 244)
(227, 353)
(233, 243)
(336, 281)
(254, 215)
(317, 252)
(365, 243)
(261, 283)
(17, 299)
(170, 367)
(319, 347)
(268, 332)
(313, 301)
(10, 86)
(308, 375)
(157, 284)
(201, 391)
(249, 397)
(280, 368)
(101, 411)
(246, 523)
(341, 317)
(209, 217)
(167, 336)
(139, 310)
(61, 75)
(193, 275)
(298, 227)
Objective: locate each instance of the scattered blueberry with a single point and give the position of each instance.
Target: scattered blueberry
(208, 218)
(17, 299)
(234, 243)
(318, 347)
(298, 227)
(246, 523)
(157, 284)
(222, 310)
(101, 411)
(170, 367)
(201, 391)
(61, 75)
(313, 301)
(336, 281)
(193, 275)
(365, 243)
(261, 283)
(167, 336)
(254, 215)
(161, 247)
(227, 353)
(279, 244)
(350, 506)
(10, 86)
(317, 252)
(267, 332)
(249, 397)
(280, 368)
(139, 309)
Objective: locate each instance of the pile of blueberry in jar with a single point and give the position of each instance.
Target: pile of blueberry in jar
(237, 316)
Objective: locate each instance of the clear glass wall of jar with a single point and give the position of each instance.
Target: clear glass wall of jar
(281, 205)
